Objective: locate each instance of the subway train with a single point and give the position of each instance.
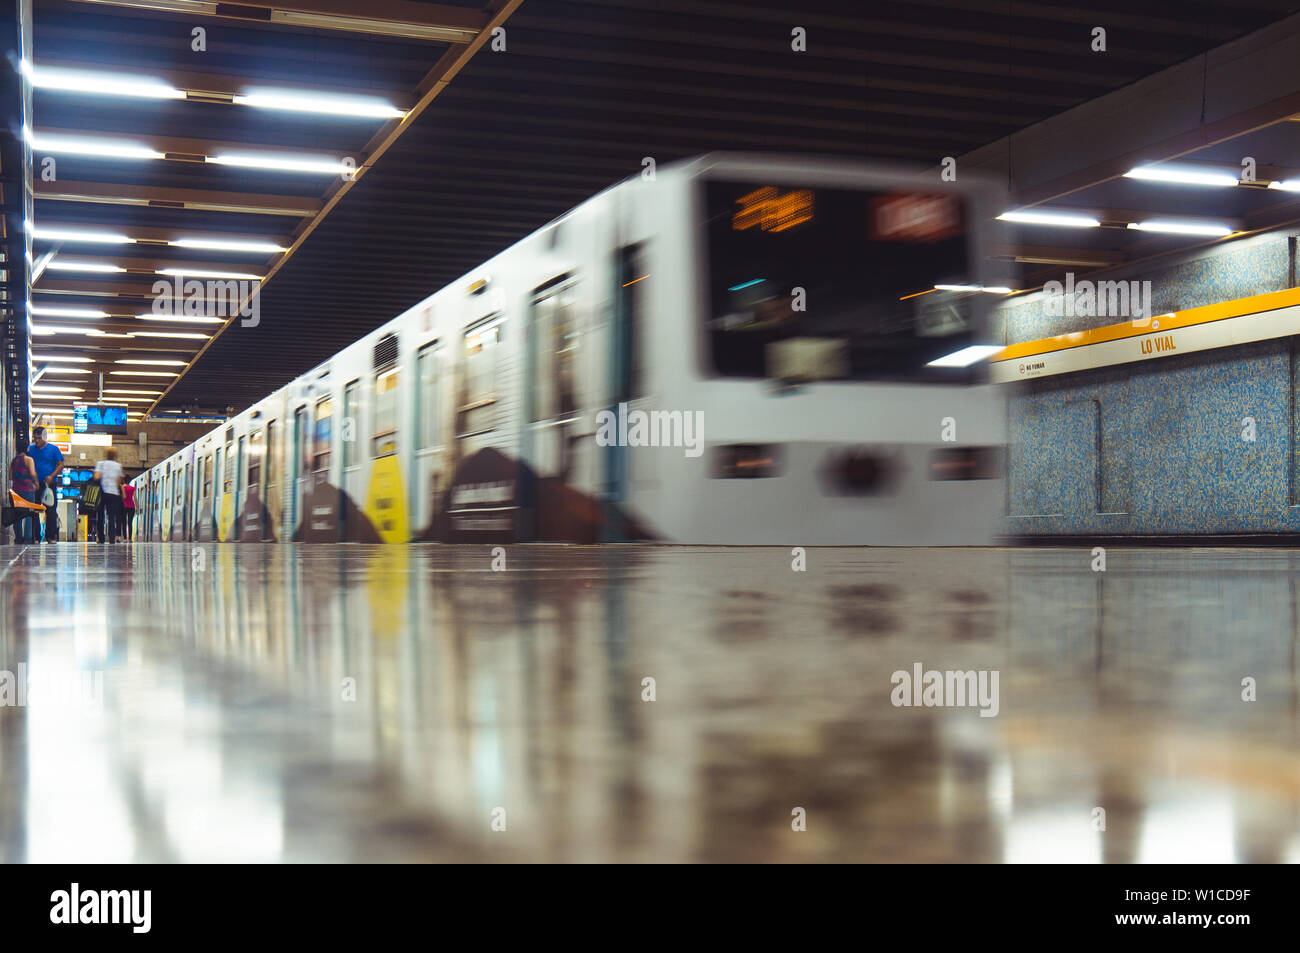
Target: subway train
(732, 349)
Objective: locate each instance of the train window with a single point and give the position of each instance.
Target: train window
(321, 435)
(300, 453)
(477, 412)
(630, 316)
(426, 398)
(833, 284)
(256, 450)
(228, 470)
(241, 486)
(351, 413)
(555, 351)
(385, 427)
(207, 477)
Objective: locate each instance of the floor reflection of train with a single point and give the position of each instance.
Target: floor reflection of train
(733, 350)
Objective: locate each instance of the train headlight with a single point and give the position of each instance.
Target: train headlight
(862, 471)
(967, 463)
(746, 461)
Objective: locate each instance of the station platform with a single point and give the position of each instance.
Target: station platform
(308, 703)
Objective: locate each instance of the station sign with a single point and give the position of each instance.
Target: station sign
(1242, 321)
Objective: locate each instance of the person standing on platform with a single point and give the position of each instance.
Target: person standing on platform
(128, 502)
(49, 463)
(109, 473)
(22, 476)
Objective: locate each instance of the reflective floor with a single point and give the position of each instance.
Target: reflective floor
(353, 703)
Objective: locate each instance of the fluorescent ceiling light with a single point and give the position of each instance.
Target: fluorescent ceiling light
(93, 148)
(1286, 186)
(99, 84)
(152, 363)
(371, 107)
(76, 235)
(82, 266)
(143, 374)
(45, 389)
(1067, 219)
(58, 358)
(145, 393)
(1158, 173)
(189, 273)
(966, 356)
(67, 312)
(179, 319)
(59, 329)
(1182, 228)
(987, 289)
(222, 245)
(64, 370)
(281, 163)
(170, 334)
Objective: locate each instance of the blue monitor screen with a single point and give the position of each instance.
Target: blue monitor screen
(97, 418)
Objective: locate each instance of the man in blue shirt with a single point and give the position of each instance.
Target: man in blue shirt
(49, 463)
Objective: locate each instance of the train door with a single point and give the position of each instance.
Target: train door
(254, 510)
(297, 474)
(164, 504)
(627, 379)
(553, 414)
(274, 482)
(241, 484)
(203, 522)
(219, 495)
(430, 439)
(351, 484)
(321, 506)
(187, 510)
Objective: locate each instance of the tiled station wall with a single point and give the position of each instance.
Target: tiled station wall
(1156, 447)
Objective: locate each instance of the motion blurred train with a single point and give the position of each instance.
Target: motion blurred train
(732, 349)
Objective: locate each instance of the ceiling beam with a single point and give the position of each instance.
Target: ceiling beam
(404, 18)
(144, 266)
(190, 150)
(224, 86)
(205, 200)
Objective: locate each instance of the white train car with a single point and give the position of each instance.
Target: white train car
(737, 350)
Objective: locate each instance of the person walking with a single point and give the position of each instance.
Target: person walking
(128, 502)
(22, 478)
(49, 463)
(109, 473)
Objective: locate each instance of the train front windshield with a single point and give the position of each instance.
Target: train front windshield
(829, 284)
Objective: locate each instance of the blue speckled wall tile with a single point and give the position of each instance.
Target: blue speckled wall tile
(1234, 271)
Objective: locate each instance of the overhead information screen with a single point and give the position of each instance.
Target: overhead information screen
(98, 418)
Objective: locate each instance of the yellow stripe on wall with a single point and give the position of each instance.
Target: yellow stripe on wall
(1236, 308)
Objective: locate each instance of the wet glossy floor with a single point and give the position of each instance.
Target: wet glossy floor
(223, 726)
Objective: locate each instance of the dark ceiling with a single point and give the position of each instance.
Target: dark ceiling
(583, 91)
